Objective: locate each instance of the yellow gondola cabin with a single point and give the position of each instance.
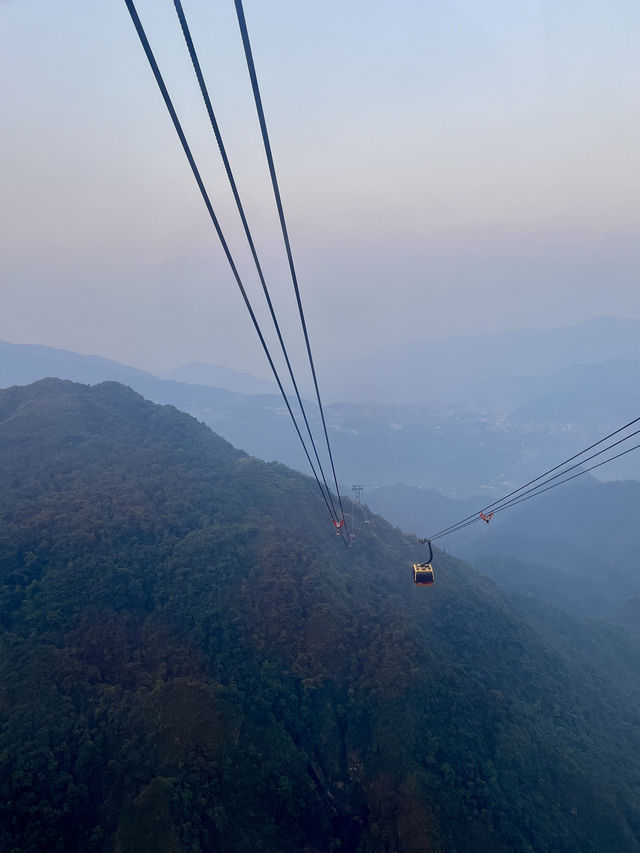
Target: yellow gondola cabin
(423, 572)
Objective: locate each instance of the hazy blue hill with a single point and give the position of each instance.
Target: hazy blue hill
(191, 661)
(422, 511)
(589, 533)
(603, 394)
(21, 364)
(24, 363)
(198, 373)
(479, 369)
(577, 546)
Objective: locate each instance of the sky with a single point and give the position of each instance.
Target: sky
(447, 167)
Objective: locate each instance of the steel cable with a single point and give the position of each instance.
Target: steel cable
(205, 196)
(285, 234)
(520, 490)
(234, 189)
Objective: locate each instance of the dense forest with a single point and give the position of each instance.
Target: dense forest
(191, 661)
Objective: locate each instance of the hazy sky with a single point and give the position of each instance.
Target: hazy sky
(447, 166)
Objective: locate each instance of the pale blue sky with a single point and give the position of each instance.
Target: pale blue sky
(446, 167)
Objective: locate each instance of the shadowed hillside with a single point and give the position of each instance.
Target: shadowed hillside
(191, 661)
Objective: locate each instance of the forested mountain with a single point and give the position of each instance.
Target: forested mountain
(191, 661)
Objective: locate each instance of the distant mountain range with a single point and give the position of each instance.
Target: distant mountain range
(21, 364)
(521, 425)
(480, 369)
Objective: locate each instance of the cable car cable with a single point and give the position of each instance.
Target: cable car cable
(234, 189)
(541, 476)
(514, 492)
(185, 145)
(566, 480)
(548, 489)
(472, 520)
(539, 490)
(518, 498)
(418, 568)
(285, 234)
(566, 470)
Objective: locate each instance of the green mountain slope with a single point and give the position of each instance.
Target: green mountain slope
(191, 661)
